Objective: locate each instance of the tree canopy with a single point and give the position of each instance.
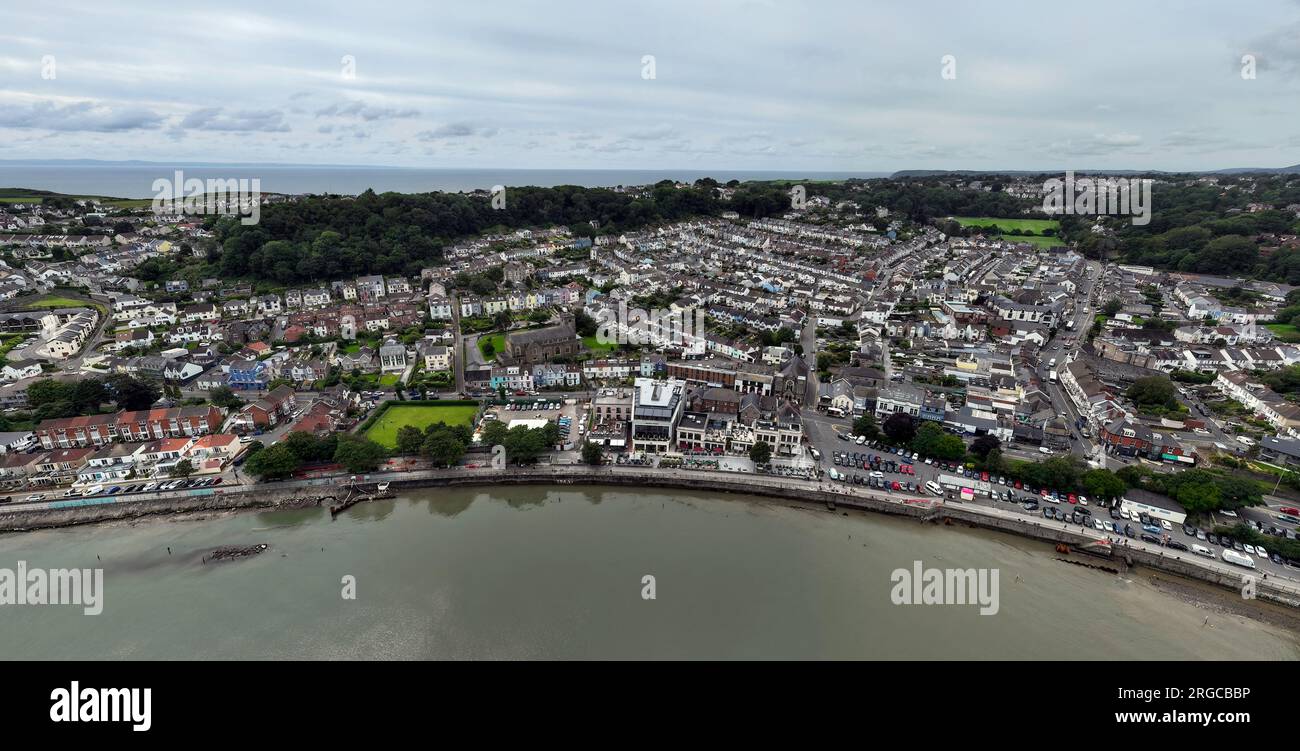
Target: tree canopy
(333, 237)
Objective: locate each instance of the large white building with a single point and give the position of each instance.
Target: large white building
(656, 410)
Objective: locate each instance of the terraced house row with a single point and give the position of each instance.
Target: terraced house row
(127, 427)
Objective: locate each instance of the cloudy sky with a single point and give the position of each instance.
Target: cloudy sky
(736, 84)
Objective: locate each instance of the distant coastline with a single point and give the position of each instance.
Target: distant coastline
(135, 179)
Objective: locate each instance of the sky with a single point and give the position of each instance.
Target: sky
(833, 85)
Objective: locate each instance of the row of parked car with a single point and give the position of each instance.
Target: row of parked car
(142, 487)
(1231, 544)
(878, 481)
(873, 462)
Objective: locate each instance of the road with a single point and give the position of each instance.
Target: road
(808, 338)
(823, 433)
(458, 351)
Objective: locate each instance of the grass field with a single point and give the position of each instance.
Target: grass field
(60, 302)
(388, 379)
(1010, 226)
(121, 203)
(384, 431)
(591, 343)
(1284, 331)
(498, 344)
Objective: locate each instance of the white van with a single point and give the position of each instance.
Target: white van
(1202, 550)
(934, 488)
(1239, 559)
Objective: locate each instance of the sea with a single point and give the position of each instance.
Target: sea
(596, 572)
(136, 180)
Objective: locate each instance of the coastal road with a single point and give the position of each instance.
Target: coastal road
(823, 434)
(787, 487)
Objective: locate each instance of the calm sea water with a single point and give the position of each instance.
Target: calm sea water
(541, 573)
(136, 180)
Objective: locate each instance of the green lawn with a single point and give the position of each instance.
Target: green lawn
(591, 343)
(60, 302)
(384, 431)
(1019, 226)
(121, 203)
(9, 343)
(388, 379)
(498, 342)
(1284, 331)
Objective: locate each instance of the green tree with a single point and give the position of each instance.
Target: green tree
(900, 428)
(592, 453)
(932, 440)
(88, 394)
(409, 440)
(132, 393)
(1197, 498)
(273, 462)
(182, 468)
(982, 445)
(494, 433)
(524, 445)
(47, 391)
(760, 452)
(866, 425)
(225, 398)
(1103, 485)
(358, 453)
(443, 448)
(1153, 391)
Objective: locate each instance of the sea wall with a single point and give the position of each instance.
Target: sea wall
(325, 491)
